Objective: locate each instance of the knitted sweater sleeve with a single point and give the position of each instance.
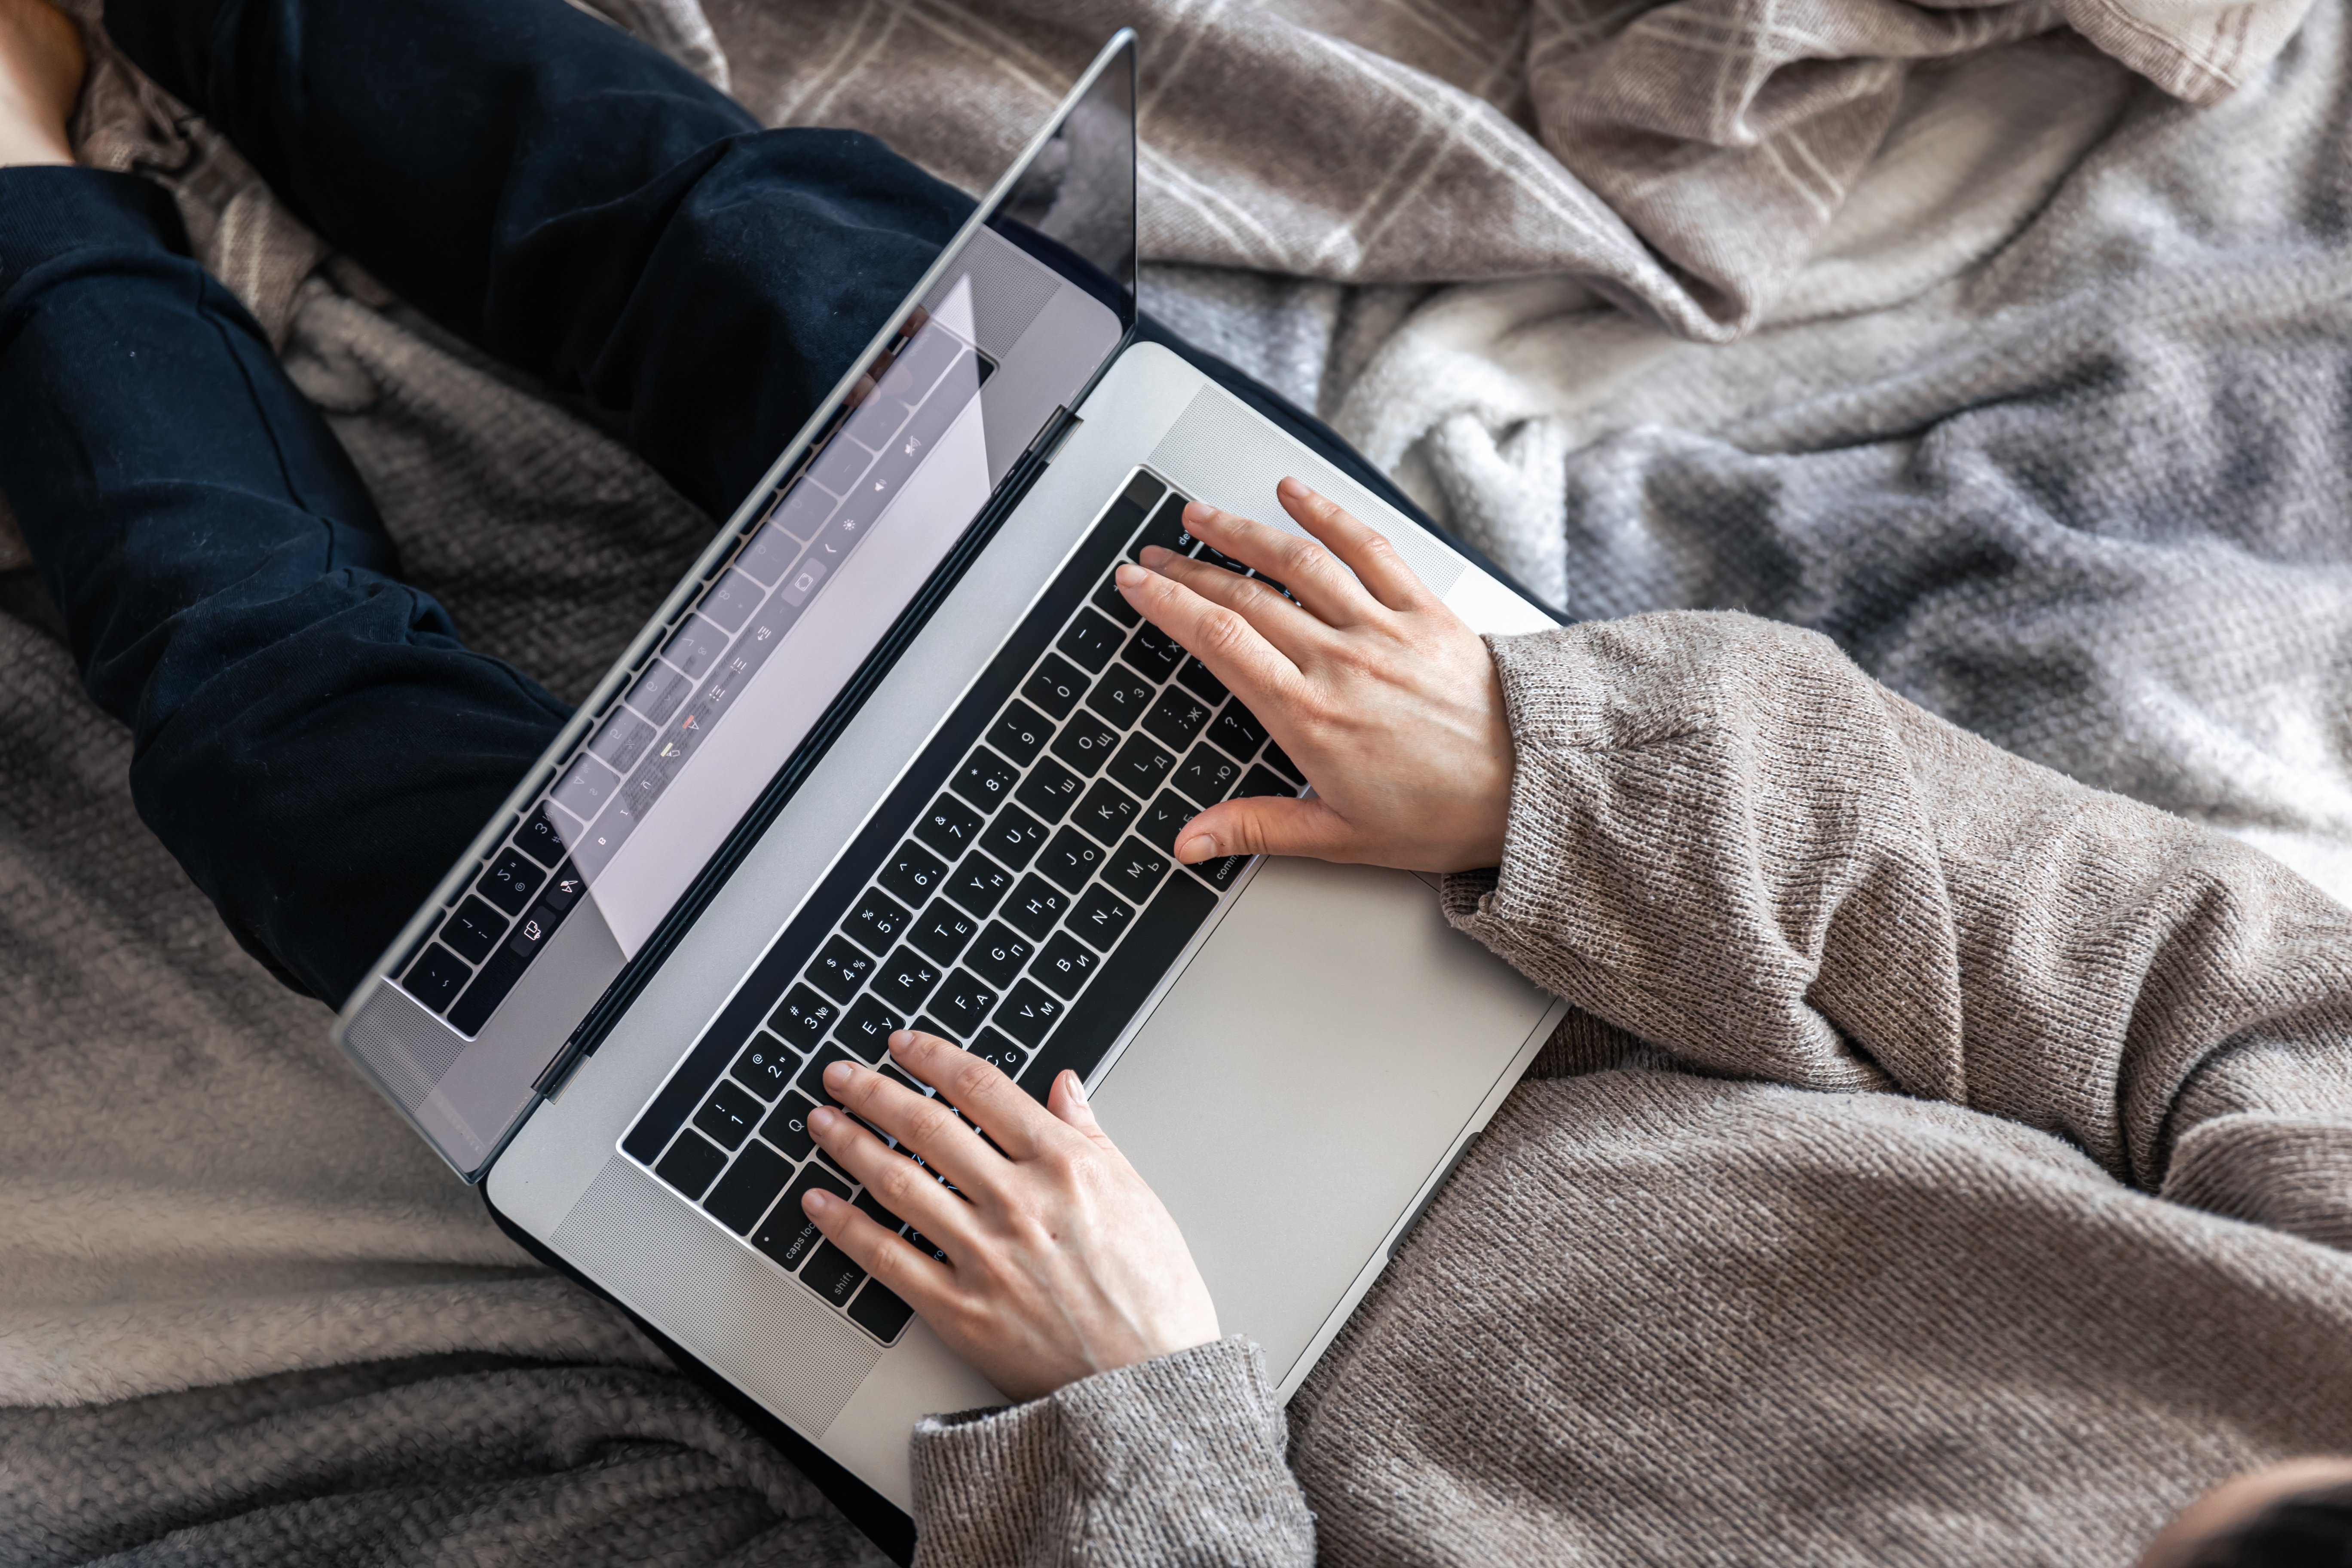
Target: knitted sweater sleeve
(1728, 841)
(1173, 1461)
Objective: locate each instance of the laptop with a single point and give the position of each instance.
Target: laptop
(897, 753)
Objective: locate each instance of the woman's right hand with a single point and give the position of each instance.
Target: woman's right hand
(1386, 700)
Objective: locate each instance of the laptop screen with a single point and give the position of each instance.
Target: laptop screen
(1005, 332)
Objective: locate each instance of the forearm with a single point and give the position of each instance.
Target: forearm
(1174, 1460)
(1727, 840)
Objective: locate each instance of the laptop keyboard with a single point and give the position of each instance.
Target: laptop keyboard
(531, 881)
(1017, 895)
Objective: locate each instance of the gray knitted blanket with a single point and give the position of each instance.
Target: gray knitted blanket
(1981, 354)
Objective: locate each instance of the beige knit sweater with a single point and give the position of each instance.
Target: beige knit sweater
(1947, 1164)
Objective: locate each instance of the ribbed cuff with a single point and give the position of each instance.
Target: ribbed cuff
(50, 211)
(1181, 1458)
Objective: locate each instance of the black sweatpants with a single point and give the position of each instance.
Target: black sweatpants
(310, 739)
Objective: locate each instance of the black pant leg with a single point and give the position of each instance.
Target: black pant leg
(572, 201)
(310, 739)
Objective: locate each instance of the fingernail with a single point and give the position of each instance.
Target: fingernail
(1077, 1089)
(822, 1119)
(817, 1200)
(1131, 577)
(1290, 486)
(837, 1075)
(1200, 846)
(1199, 511)
(901, 1038)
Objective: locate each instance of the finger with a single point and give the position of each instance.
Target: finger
(1366, 553)
(1268, 824)
(1068, 1101)
(978, 1088)
(1292, 632)
(1316, 578)
(907, 1189)
(921, 1279)
(1216, 635)
(929, 1128)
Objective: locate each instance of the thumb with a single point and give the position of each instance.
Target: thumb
(1068, 1100)
(1265, 825)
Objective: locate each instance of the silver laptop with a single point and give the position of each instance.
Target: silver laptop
(895, 753)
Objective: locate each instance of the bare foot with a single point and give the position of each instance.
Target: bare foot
(41, 69)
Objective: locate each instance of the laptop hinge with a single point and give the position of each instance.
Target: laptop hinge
(1047, 444)
(575, 1051)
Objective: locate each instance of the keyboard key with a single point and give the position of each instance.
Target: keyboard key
(1036, 905)
(692, 1163)
(771, 550)
(812, 1080)
(878, 920)
(1100, 916)
(788, 1235)
(1141, 766)
(1176, 718)
(1049, 790)
(1237, 731)
(1164, 817)
(435, 978)
(1105, 813)
(696, 647)
(1195, 678)
(510, 881)
(730, 1114)
(658, 691)
(1021, 732)
(901, 1077)
(1120, 696)
(978, 884)
(563, 890)
(1013, 839)
(950, 826)
(1208, 775)
(1066, 966)
(765, 1066)
(912, 875)
(1216, 557)
(1220, 873)
(906, 979)
(538, 840)
(1055, 687)
(474, 930)
(1135, 870)
(804, 1016)
(1001, 952)
(1153, 652)
(489, 987)
(584, 788)
(868, 1027)
(927, 1024)
(879, 1312)
(1084, 743)
(1127, 978)
(787, 1126)
(944, 932)
(1166, 530)
(985, 779)
(622, 741)
(1279, 760)
(832, 1275)
(1029, 1013)
(1068, 860)
(839, 970)
(963, 1005)
(1263, 779)
(999, 1051)
(750, 1184)
(1112, 603)
(1089, 642)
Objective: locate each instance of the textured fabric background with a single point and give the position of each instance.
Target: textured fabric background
(2033, 413)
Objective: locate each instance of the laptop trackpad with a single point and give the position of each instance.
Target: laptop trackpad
(1304, 1076)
